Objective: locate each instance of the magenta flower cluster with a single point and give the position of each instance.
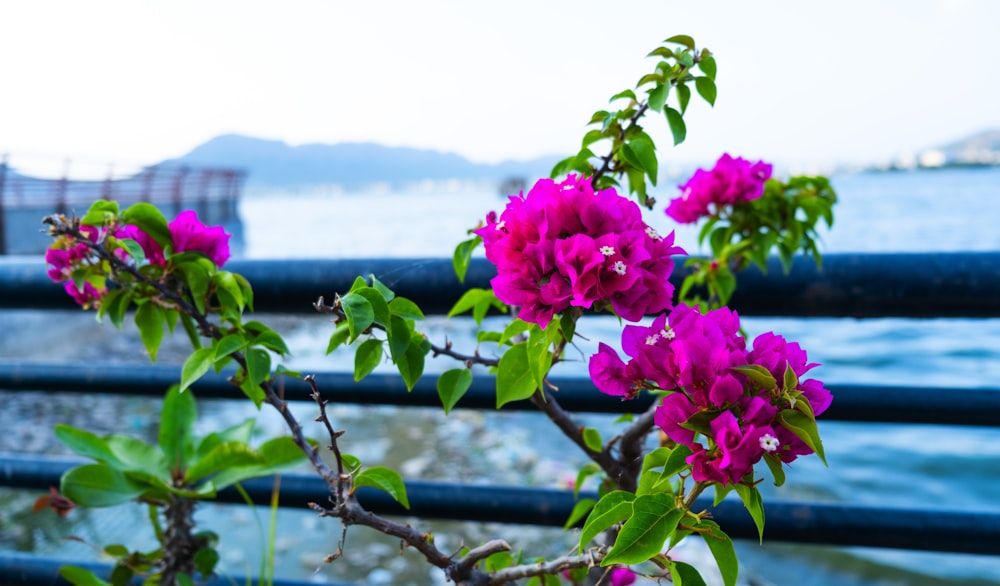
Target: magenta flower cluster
(693, 355)
(730, 182)
(68, 256)
(563, 245)
(64, 257)
(188, 234)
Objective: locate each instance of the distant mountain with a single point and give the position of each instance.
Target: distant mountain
(982, 147)
(275, 163)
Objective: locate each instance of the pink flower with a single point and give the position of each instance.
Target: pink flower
(188, 234)
(152, 250)
(730, 182)
(563, 245)
(621, 576)
(727, 420)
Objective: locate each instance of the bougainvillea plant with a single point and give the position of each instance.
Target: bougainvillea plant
(571, 246)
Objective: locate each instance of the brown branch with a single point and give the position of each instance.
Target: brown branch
(590, 559)
(630, 446)
(550, 406)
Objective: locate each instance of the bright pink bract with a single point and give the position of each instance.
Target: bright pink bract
(188, 235)
(730, 182)
(564, 245)
(694, 355)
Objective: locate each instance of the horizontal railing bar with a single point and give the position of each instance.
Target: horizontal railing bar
(924, 285)
(17, 568)
(827, 524)
(869, 403)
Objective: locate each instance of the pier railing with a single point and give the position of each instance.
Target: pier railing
(925, 286)
(212, 192)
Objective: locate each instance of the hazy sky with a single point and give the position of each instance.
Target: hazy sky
(798, 81)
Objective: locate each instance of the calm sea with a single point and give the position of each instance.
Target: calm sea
(903, 466)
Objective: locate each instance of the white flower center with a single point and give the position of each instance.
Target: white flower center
(620, 267)
(608, 250)
(652, 233)
(769, 443)
(669, 334)
(650, 340)
(501, 224)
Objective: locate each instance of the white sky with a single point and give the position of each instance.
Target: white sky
(837, 81)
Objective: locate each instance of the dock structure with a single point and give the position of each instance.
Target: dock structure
(213, 193)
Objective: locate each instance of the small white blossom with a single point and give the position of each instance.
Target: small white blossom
(669, 334)
(769, 443)
(650, 340)
(620, 268)
(608, 250)
(652, 233)
(501, 224)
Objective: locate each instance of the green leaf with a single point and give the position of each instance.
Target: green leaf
(677, 127)
(368, 356)
(273, 341)
(229, 344)
(245, 289)
(411, 367)
(150, 320)
(196, 275)
(98, 485)
(84, 443)
(359, 312)
(196, 366)
(80, 577)
(398, 337)
(684, 574)
(462, 256)
(515, 381)
(386, 292)
(101, 213)
(258, 365)
(614, 507)
(585, 472)
(405, 308)
(683, 97)
(706, 89)
(221, 457)
(624, 94)
(339, 336)
(592, 439)
(804, 428)
(658, 97)
(758, 374)
(722, 549)
(645, 151)
(498, 561)
(791, 381)
(147, 218)
(580, 509)
(134, 249)
(755, 506)
(452, 386)
(177, 419)
(654, 518)
(379, 306)
(228, 290)
(682, 40)
(276, 454)
(384, 479)
(774, 463)
(205, 560)
(114, 305)
(136, 454)
(707, 65)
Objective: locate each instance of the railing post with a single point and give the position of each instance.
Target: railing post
(3, 203)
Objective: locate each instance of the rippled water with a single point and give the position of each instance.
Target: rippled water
(891, 465)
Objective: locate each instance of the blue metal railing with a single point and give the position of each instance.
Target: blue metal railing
(897, 285)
